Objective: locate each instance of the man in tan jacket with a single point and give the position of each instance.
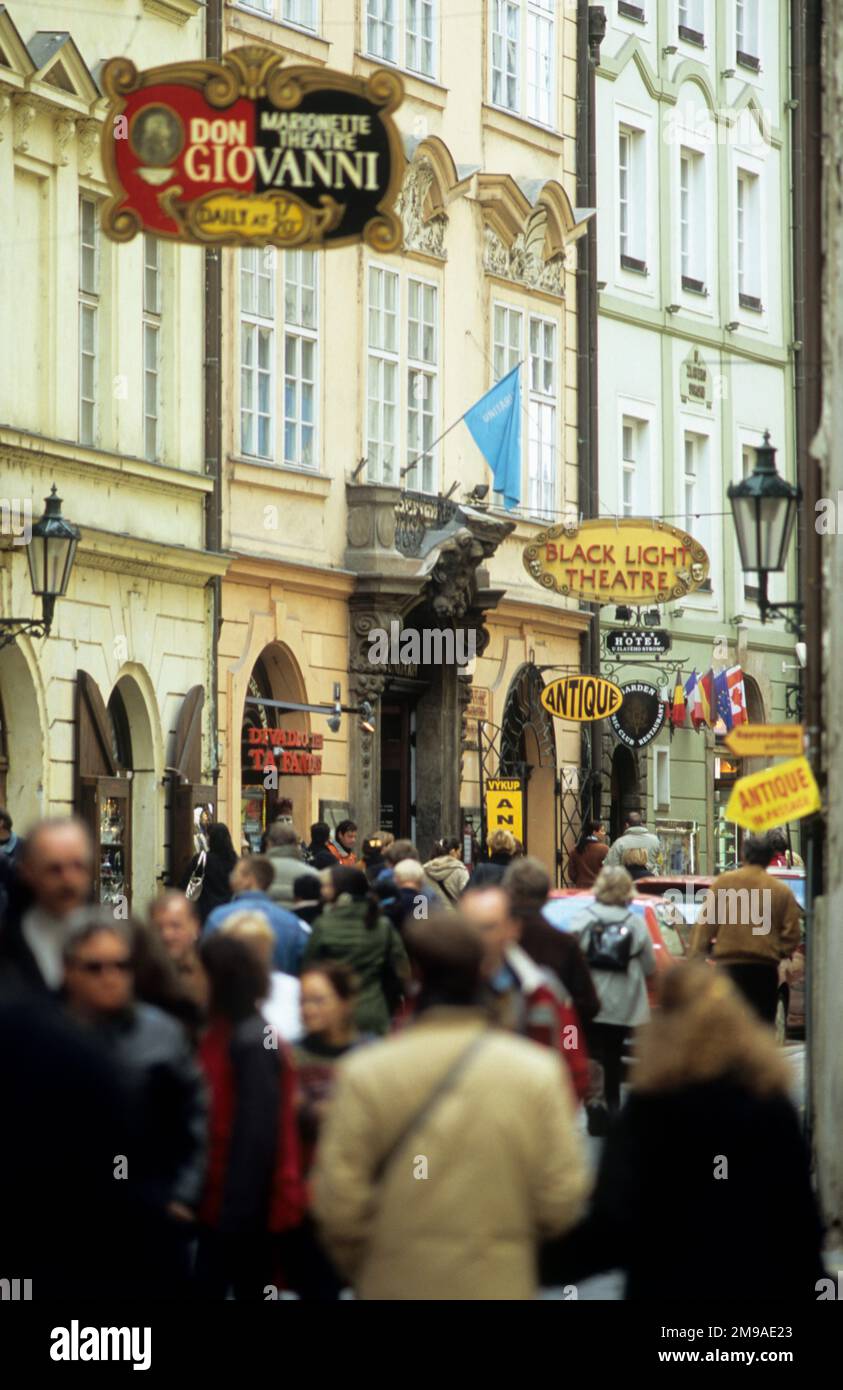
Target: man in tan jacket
(754, 922)
(448, 1150)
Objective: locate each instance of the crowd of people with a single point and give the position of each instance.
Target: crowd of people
(315, 1068)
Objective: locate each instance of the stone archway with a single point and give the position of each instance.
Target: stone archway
(24, 739)
(625, 789)
(136, 740)
(528, 750)
(275, 676)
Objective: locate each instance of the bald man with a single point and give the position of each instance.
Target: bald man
(55, 878)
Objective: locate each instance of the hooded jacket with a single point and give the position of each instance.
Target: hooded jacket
(449, 874)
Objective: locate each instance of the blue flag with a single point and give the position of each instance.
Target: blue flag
(723, 698)
(495, 424)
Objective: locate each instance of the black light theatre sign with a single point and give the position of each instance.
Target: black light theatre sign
(637, 641)
(641, 716)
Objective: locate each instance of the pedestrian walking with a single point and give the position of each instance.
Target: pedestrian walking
(251, 879)
(588, 855)
(520, 995)
(385, 886)
(528, 884)
(783, 856)
(373, 851)
(445, 1100)
(635, 836)
(352, 928)
(54, 879)
(174, 919)
(207, 879)
(753, 921)
(446, 868)
(635, 863)
(254, 1186)
(409, 901)
(11, 845)
(503, 848)
(284, 854)
(281, 1007)
(617, 946)
(710, 1088)
(165, 1163)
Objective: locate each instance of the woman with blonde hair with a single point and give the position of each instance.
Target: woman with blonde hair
(503, 848)
(616, 944)
(704, 1188)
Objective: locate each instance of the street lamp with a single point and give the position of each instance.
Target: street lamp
(764, 507)
(50, 552)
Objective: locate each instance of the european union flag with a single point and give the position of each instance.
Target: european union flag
(723, 700)
(495, 424)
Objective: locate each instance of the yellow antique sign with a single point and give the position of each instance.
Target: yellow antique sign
(766, 740)
(504, 802)
(582, 698)
(775, 796)
(630, 561)
(252, 152)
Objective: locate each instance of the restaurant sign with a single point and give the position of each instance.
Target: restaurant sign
(641, 717)
(249, 152)
(289, 751)
(630, 560)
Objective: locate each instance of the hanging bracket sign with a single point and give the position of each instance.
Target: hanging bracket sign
(581, 699)
(630, 560)
(780, 794)
(248, 152)
(641, 717)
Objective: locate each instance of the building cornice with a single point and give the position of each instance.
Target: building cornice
(732, 344)
(294, 576)
(77, 461)
(115, 551)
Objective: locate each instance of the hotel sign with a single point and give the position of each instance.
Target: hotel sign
(638, 641)
(628, 561)
(249, 152)
(695, 380)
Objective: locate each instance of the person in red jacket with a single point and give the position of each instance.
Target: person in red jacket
(254, 1188)
(524, 997)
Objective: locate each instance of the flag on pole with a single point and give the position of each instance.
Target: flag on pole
(678, 711)
(705, 687)
(722, 699)
(692, 699)
(495, 424)
(737, 696)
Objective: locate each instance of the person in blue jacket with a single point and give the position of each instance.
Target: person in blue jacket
(250, 881)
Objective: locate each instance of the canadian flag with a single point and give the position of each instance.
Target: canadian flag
(737, 696)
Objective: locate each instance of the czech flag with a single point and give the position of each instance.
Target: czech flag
(737, 696)
(678, 711)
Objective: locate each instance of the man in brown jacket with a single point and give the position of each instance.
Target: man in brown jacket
(754, 922)
(449, 1150)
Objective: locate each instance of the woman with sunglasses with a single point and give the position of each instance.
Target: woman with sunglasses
(165, 1165)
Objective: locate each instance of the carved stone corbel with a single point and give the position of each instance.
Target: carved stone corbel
(24, 115)
(88, 136)
(63, 128)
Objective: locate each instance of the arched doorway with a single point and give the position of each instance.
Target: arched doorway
(625, 788)
(21, 740)
(279, 753)
(133, 746)
(528, 750)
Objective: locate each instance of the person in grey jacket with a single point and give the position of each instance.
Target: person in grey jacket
(622, 990)
(635, 836)
(165, 1164)
(284, 854)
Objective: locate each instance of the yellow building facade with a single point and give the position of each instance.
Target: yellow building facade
(342, 510)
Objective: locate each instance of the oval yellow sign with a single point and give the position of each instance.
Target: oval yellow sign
(628, 561)
(582, 698)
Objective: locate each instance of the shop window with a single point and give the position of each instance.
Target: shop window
(727, 835)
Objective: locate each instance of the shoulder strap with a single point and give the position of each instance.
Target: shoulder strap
(445, 1084)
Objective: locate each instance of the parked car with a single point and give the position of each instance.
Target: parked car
(679, 898)
(564, 904)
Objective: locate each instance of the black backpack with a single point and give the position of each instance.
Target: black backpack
(610, 945)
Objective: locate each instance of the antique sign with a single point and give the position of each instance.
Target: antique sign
(695, 380)
(638, 641)
(504, 802)
(581, 698)
(766, 740)
(641, 716)
(249, 152)
(631, 560)
(775, 796)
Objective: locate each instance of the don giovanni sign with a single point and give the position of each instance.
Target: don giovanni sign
(247, 152)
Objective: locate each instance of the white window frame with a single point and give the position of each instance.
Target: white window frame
(691, 15)
(693, 223)
(515, 59)
(748, 39)
(276, 10)
(297, 334)
(661, 777)
(257, 325)
(390, 360)
(631, 198)
(704, 430)
(89, 307)
(749, 243)
(540, 487)
(395, 18)
(634, 21)
(151, 329)
(646, 475)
